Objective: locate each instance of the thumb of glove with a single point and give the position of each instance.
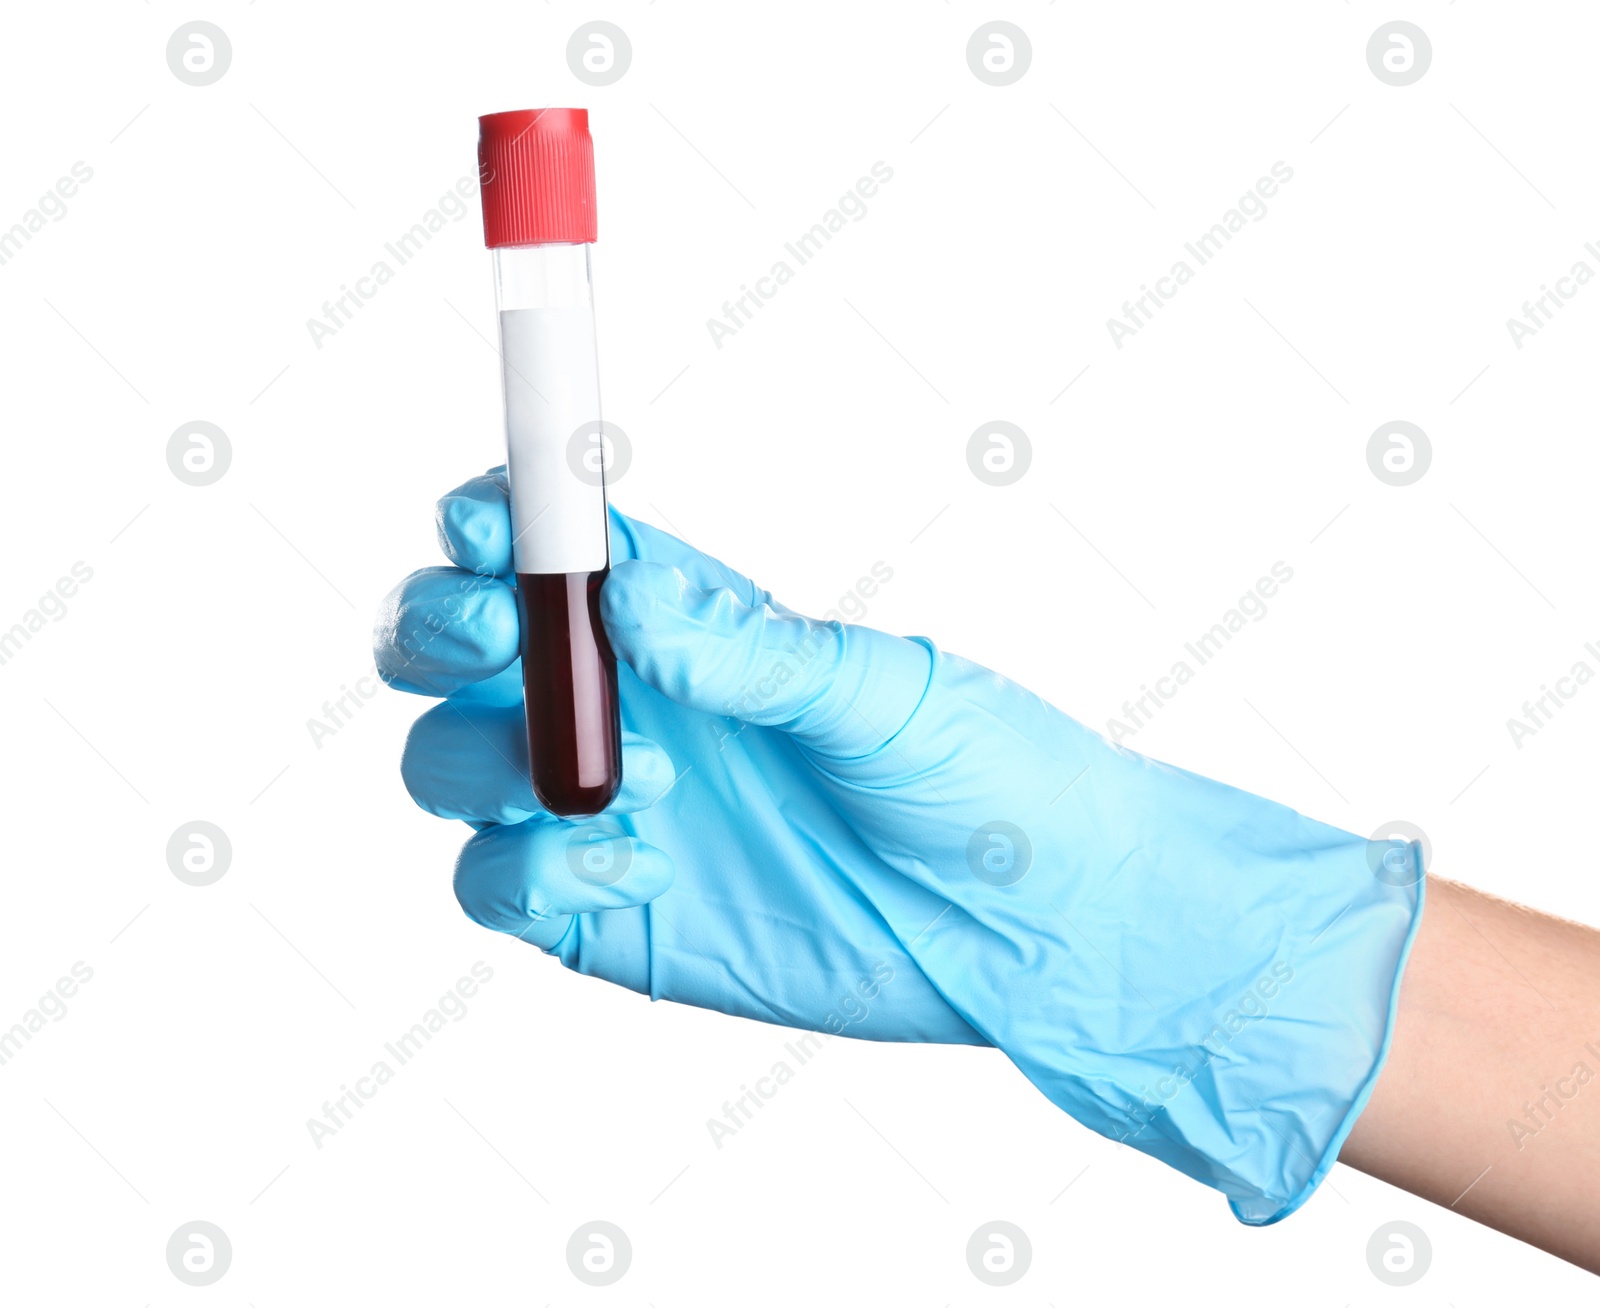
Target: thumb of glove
(841, 691)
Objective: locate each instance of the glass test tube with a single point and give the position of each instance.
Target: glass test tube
(536, 171)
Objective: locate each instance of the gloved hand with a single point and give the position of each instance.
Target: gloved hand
(836, 829)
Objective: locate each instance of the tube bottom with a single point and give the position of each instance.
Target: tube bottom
(569, 688)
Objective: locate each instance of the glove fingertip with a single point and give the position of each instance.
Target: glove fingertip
(647, 774)
(473, 525)
(638, 597)
(639, 872)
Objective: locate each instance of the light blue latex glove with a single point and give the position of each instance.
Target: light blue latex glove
(836, 829)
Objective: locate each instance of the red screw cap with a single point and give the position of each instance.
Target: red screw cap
(536, 174)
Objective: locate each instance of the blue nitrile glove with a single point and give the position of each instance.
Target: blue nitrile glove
(832, 828)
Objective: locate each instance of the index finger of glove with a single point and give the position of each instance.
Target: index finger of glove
(443, 629)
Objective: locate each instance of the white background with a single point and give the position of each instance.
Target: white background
(1220, 439)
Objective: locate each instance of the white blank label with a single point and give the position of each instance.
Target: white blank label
(552, 389)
